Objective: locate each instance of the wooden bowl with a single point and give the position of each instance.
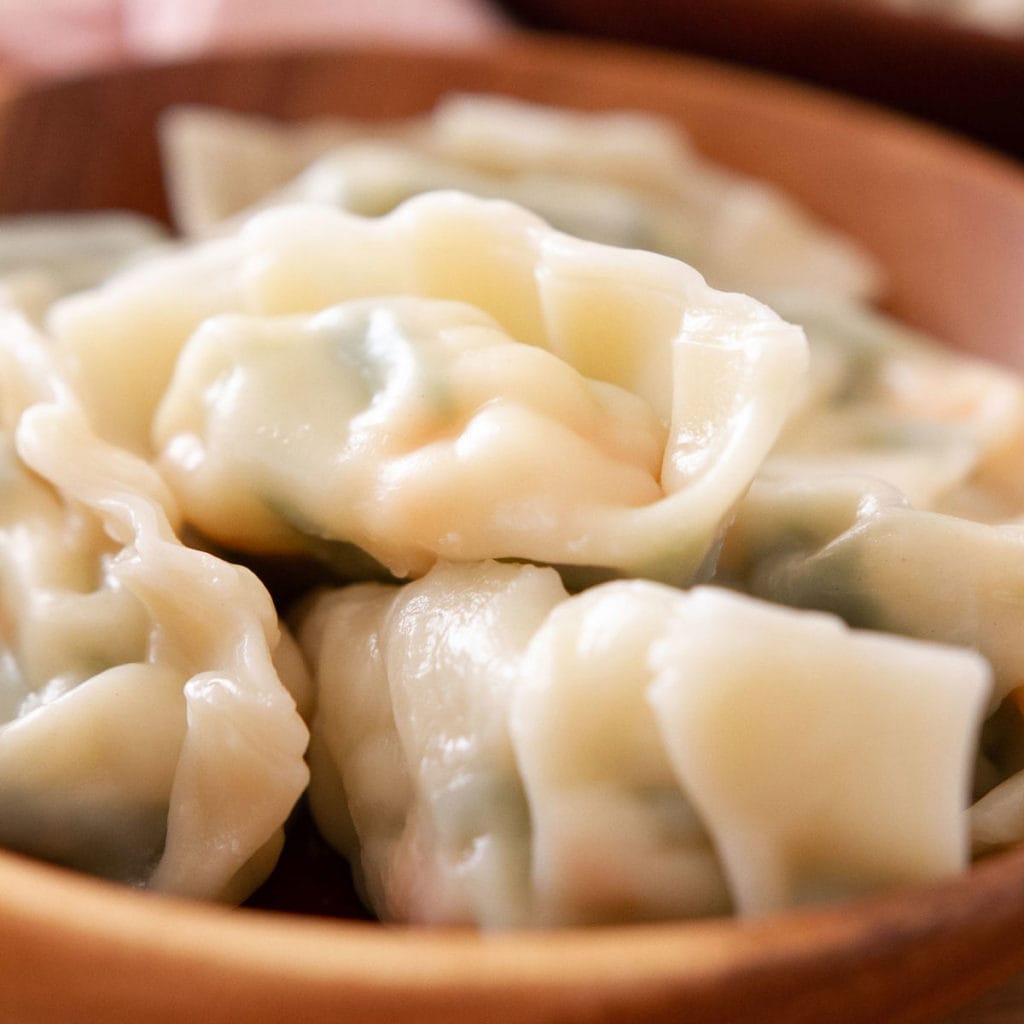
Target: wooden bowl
(948, 223)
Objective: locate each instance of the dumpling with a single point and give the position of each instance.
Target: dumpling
(824, 762)
(859, 550)
(887, 403)
(145, 732)
(899, 454)
(413, 775)
(623, 178)
(619, 372)
(218, 162)
(490, 750)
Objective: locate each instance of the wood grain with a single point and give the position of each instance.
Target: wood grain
(948, 223)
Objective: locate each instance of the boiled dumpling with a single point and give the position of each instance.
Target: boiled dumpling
(893, 496)
(640, 321)
(145, 733)
(888, 403)
(824, 762)
(856, 548)
(413, 773)
(584, 366)
(219, 162)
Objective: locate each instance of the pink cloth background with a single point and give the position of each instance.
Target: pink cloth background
(61, 36)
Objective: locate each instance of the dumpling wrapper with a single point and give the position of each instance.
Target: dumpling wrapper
(145, 733)
(825, 763)
(219, 162)
(615, 838)
(621, 404)
(885, 402)
(490, 750)
(855, 547)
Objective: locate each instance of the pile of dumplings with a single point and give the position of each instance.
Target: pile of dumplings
(635, 568)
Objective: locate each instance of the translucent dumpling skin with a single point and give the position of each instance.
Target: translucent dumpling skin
(489, 750)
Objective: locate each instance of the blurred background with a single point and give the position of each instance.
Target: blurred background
(956, 63)
(60, 36)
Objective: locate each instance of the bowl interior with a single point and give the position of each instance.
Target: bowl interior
(946, 221)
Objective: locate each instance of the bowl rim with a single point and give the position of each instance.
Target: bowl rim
(46, 910)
